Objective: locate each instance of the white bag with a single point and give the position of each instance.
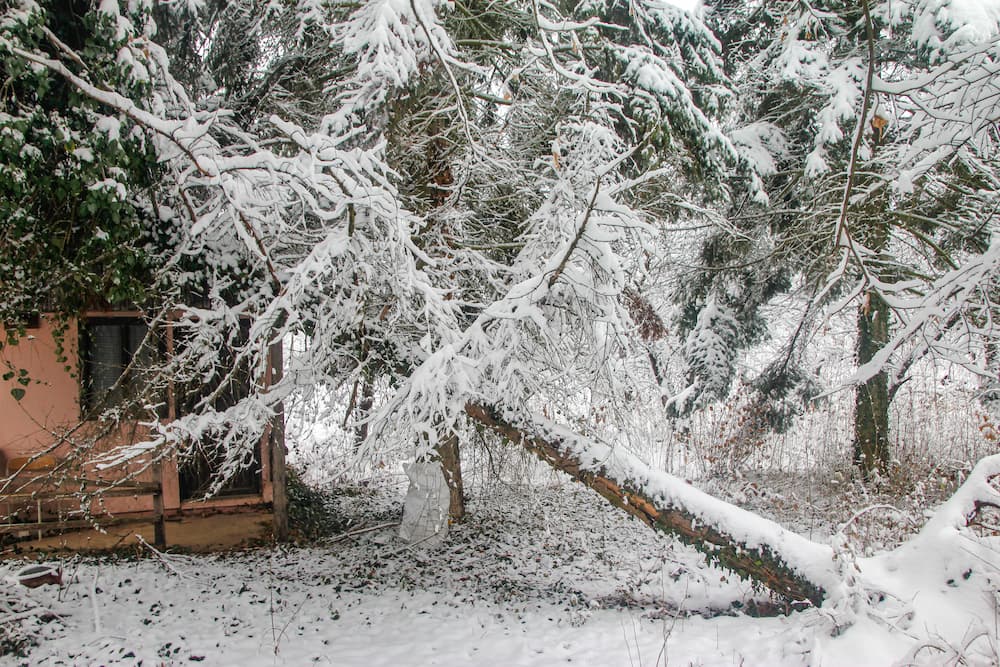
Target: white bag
(425, 511)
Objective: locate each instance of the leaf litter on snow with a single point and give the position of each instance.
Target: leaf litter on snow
(526, 554)
(537, 574)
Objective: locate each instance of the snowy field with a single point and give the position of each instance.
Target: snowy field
(544, 574)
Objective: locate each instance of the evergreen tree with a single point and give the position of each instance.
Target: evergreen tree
(864, 180)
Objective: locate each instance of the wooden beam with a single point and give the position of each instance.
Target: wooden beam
(159, 528)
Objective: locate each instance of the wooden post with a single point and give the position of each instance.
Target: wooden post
(159, 526)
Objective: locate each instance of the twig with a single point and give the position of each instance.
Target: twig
(63, 47)
(412, 545)
(270, 603)
(93, 604)
(857, 515)
(667, 631)
(576, 239)
(14, 603)
(287, 623)
(20, 616)
(162, 557)
(361, 531)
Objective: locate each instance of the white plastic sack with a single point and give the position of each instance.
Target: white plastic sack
(425, 511)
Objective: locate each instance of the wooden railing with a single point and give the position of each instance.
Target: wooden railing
(35, 486)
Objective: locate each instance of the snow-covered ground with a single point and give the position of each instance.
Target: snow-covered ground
(539, 575)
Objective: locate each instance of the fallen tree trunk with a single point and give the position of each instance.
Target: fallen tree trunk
(798, 570)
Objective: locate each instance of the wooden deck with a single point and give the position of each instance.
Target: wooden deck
(190, 532)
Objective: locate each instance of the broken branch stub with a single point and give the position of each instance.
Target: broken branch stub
(760, 563)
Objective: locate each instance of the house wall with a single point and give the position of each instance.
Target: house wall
(51, 401)
(51, 405)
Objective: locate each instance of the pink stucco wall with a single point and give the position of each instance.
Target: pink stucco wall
(51, 401)
(51, 405)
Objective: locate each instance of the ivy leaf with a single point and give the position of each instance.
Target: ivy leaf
(17, 393)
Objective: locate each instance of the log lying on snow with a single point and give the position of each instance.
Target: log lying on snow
(798, 570)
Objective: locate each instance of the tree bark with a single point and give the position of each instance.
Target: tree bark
(364, 412)
(276, 442)
(279, 481)
(451, 465)
(753, 559)
(871, 399)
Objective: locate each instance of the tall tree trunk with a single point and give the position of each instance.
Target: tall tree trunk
(276, 442)
(451, 465)
(794, 568)
(871, 399)
(364, 411)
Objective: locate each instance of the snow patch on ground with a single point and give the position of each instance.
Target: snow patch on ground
(540, 574)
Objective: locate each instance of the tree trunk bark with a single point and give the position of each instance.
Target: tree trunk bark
(451, 465)
(363, 412)
(753, 557)
(279, 481)
(871, 399)
(276, 442)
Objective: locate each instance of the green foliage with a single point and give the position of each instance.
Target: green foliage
(74, 210)
(310, 511)
(784, 390)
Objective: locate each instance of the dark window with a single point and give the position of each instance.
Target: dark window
(24, 321)
(198, 473)
(230, 384)
(108, 345)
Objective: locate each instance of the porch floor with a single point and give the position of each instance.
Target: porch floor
(205, 533)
